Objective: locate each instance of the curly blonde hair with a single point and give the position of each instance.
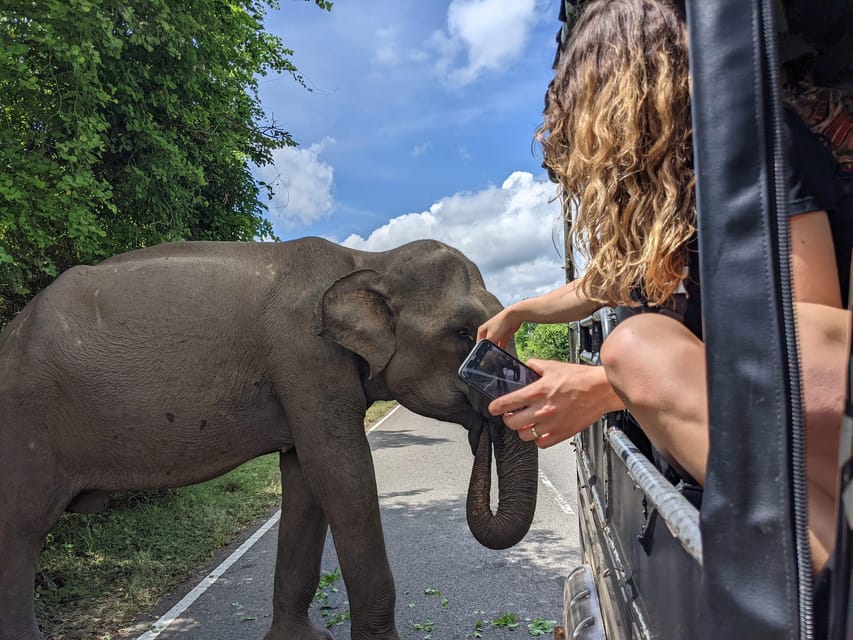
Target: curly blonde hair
(617, 136)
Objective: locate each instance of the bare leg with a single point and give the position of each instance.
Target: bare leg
(301, 534)
(824, 334)
(657, 367)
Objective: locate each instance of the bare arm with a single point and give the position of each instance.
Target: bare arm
(565, 304)
(565, 400)
(823, 329)
(813, 268)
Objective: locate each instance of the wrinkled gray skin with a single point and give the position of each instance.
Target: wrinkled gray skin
(171, 365)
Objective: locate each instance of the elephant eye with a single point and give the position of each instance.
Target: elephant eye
(467, 336)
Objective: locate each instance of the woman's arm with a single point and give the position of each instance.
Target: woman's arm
(565, 400)
(813, 267)
(823, 335)
(565, 304)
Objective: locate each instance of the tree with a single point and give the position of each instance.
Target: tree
(522, 340)
(544, 341)
(126, 123)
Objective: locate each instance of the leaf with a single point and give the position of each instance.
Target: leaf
(426, 625)
(540, 626)
(338, 619)
(507, 620)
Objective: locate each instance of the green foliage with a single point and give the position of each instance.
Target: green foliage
(338, 619)
(327, 581)
(541, 626)
(427, 625)
(327, 585)
(522, 340)
(544, 341)
(126, 123)
(507, 620)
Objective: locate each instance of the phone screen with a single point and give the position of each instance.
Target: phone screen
(494, 371)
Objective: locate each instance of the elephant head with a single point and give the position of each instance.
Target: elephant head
(411, 316)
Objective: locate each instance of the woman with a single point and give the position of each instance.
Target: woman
(617, 137)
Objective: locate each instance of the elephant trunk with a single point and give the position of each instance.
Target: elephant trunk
(517, 471)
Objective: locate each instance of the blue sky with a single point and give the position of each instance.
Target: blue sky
(419, 125)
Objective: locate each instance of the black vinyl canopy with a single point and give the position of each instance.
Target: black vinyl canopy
(757, 571)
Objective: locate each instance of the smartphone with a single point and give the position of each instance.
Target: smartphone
(493, 371)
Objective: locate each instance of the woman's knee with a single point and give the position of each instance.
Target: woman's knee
(619, 350)
(643, 355)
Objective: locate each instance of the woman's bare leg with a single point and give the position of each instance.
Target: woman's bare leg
(657, 367)
(824, 341)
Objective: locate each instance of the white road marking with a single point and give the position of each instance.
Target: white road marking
(558, 497)
(172, 614)
(384, 418)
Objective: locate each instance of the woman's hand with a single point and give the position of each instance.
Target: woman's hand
(565, 400)
(499, 328)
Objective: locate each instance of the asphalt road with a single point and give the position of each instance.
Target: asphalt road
(422, 469)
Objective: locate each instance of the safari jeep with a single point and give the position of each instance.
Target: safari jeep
(664, 558)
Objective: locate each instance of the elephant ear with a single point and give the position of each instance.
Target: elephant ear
(354, 312)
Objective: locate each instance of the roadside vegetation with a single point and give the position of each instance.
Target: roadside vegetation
(126, 124)
(543, 341)
(98, 573)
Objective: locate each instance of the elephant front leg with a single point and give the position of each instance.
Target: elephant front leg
(301, 534)
(340, 473)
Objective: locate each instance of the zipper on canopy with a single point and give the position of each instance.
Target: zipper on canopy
(798, 470)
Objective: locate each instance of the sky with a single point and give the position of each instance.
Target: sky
(419, 123)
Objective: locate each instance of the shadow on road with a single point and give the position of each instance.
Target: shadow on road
(402, 438)
(448, 585)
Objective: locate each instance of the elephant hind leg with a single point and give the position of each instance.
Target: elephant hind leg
(33, 496)
(301, 536)
(18, 557)
(22, 532)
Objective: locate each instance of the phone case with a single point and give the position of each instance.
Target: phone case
(493, 371)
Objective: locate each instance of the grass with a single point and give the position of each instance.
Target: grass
(377, 411)
(98, 573)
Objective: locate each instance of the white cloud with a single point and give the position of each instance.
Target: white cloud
(508, 231)
(302, 182)
(421, 149)
(486, 34)
(387, 51)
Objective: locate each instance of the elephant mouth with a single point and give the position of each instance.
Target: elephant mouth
(478, 420)
(495, 429)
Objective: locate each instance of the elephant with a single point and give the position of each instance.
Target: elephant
(172, 364)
